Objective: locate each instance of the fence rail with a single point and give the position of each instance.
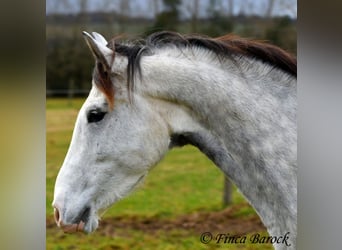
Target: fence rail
(67, 92)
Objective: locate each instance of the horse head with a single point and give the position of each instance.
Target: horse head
(114, 144)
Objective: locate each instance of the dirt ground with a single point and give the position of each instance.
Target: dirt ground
(198, 222)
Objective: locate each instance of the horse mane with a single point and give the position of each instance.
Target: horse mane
(229, 45)
(224, 46)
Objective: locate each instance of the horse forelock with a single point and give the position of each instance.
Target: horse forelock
(224, 46)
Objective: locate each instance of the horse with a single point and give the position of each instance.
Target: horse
(232, 98)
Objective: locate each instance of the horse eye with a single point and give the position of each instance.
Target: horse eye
(95, 116)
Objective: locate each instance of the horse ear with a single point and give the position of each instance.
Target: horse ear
(98, 46)
(98, 37)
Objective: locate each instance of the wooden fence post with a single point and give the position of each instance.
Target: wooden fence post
(71, 91)
(227, 192)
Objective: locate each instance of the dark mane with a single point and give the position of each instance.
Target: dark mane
(225, 46)
(229, 45)
(265, 52)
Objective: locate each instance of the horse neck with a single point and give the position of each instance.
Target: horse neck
(245, 122)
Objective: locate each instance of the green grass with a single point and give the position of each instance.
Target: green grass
(184, 182)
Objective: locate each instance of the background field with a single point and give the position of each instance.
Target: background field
(180, 199)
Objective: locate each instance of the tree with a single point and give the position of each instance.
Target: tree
(289, 5)
(124, 13)
(194, 16)
(83, 15)
(217, 24)
(283, 34)
(69, 61)
(269, 8)
(167, 19)
(230, 8)
(155, 4)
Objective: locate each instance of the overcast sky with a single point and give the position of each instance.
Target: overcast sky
(144, 7)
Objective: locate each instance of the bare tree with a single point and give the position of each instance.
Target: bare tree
(83, 6)
(156, 9)
(125, 7)
(124, 13)
(108, 6)
(243, 7)
(63, 4)
(230, 7)
(289, 5)
(269, 8)
(194, 15)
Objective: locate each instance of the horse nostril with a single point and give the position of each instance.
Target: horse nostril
(57, 216)
(85, 215)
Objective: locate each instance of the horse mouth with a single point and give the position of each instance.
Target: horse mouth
(72, 228)
(86, 222)
(81, 226)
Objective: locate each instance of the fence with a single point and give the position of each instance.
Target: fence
(70, 93)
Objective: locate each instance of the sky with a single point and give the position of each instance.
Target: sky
(144, 7)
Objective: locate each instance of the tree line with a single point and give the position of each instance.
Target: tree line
(69, 62)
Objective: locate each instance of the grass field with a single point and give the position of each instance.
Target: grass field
(180, 198)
